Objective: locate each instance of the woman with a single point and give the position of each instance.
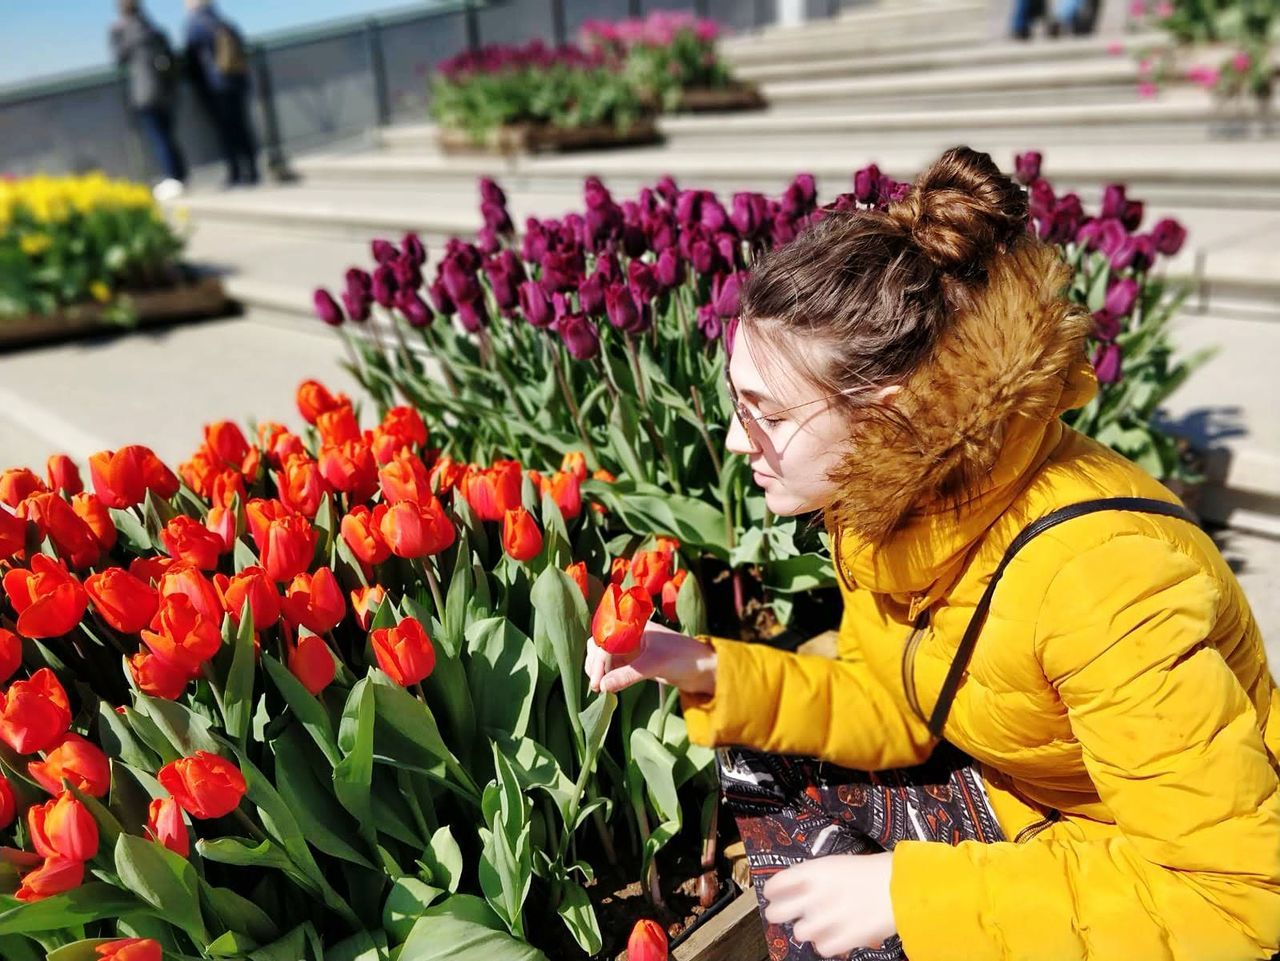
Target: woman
(219, 67)
(1117, 796)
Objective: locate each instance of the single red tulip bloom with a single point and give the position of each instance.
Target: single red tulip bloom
(578, 571)
(122, 478)
(648, 942)
(78, 760)
(315, 602)
(64, 475)
(619, 621)
(251, 584)
(566, 491)
(34, 713)
(338, 426)
(226, 441)
(350, 468)
(55, 876)
(158, 677)
(404, 652)
(186, 539)
(13, 535)
(49, 601)
(417, 529)
(446, 473)
(288, 548)
(8, 803)
(493, 492)
(405, 425)
(182, 578)
(63, 828)
(130, 949)
(90, 509)
(182, 636)
(205, 785)
(651, 570)
(365, 601)
(222, 521)
(618, 570)
(670, 591)
(10, 654)
(521, 537)
(406, 478)
(312, 662)
(314, 399)
(72, 538)
(125, 602)
(165, 825)
(19, 483)
(575, 463)
(361, 529)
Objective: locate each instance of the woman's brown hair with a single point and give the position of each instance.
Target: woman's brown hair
(861, 298)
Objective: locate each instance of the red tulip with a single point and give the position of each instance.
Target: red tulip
(521, 537)
(182, 636)
(566, 490)
(312, 662)
(54, 876)
(122, 478)
(405, 479)
(575, 462)
(182, 578)
(446, 474)
(205, 785)
(226, 441)
(578, 571)
(361, 529)
(288, 547)
(405, 425)
(254, 585)
(186, 539)
(130, 949)
(72, 538)
(315, 601)
(8, 803)
(619, 621)
(648, 942)
(90, 509)
(351, 469)
(63, 828)
(165, 825)
(302, 487)
(404, 652)
(19, 483)
(49, 601)
(222, 521)
(314, 399)
(365, 601)
(259, 514)
(10, 654)
(670, 591)
(78, 760)
(64, 475)
(13, 535)
(417, 529)
(493, 492)
(34, 713)
(158, 677)
(651, 569)
(618, 570)
(338, 426)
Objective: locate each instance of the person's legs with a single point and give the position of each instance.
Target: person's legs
(157, 127)
(240, 132)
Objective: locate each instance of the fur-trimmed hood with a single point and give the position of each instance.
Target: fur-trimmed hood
(983, 411)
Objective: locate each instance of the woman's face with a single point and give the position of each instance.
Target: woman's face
(794, 450)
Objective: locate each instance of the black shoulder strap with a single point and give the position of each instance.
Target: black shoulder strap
(960, 663)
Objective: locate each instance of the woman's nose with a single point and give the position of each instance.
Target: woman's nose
(738, 440)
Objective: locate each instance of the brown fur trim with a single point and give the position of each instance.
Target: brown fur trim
(1008, 357)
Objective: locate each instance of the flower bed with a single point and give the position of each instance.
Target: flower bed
(505, 98)
(86, 252)
(321, 693)
(672, 59)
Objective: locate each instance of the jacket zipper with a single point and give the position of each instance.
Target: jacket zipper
(908, 662)
(1051, 817)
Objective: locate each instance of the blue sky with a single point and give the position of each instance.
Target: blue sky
(55, 36)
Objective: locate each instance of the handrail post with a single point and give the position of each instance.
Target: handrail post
(271, 142)
(473, 25)
(378, 69)
(558, 25)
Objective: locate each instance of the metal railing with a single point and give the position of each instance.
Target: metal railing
(316, 87)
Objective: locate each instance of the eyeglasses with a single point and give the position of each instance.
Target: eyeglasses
(747, 419)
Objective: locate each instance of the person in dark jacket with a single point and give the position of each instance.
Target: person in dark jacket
(142, 49)
(219, 68)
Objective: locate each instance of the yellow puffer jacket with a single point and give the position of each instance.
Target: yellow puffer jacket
(1119, 700)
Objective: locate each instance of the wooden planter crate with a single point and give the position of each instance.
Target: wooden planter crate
(544, 138)
(740, 96)
(202, 297)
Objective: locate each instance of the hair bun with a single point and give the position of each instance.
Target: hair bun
(963, 211)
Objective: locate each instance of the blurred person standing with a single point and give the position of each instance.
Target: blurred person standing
(219, 66)
(143, 50)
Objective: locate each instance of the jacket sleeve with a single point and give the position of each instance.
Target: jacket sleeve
(1172, 744)
(784, 703)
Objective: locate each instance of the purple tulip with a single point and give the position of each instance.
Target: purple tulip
(487, 241)
(843, 203)
(357, 304)
(1087, 234)
(866, 184)
(1108, 361)
(1027, 167)
(669, 270)
(643, 284)
(327, 308)
(608, 269)
(724, 295)
(384, 251)
(491, 193)
(534, 304)
(634, 242)
(596, 194)
(414, 308)
(1113, 201)
(1041, 199)
(1111, 237)
(465, 254)
(385, 286)
(440, 298)
(784, 230)
(750, 214)
(729, 248)
(730, 332)
(503, 284)
(1121, 297)
(806, 188)
(666, 189)
(602, 223)
(473, 315)
(1132, 215)
(1137, 252)
(687, 205)
(407, 272)
(359, 281)
(711, 213)
(591, 294)
(1105, 325)
(534, 244)
(413, 248)
(560, 271)
(662, 232)
(579, 335)
(621, 309)
(895, 191)
(460, 282)
(1064, 223)
(708, 323)
(1168, 236)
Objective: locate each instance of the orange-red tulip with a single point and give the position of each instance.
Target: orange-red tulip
(8, 803)
(603, 475)
(575, 462)
(521, 537)
(72, 538)
(165, 825)
(13, 535)
(90, 509)
(350, 468)
(186, 539)
(182, 578)
(405, 479)
(301, 485)
(670, 591)
(338, 426)
(446, 473)
(314, 399)
(288, 547)
(493, 492)
(618, 570)
(226, 441)
(19, 483)
(130, 949)
(619, 621)
(651, 569)
(151, 570)
(78, 760)
(648, 942)
(63, 475)
(158, 677)
(49, 601)
(405, 425)
(10, 654)
(578, 571)
(282, 446)
(417, 529)
(312, 662)
(361, 529)
(205, 785)
(181, 635)
(269, 431)
(34, 713)
(200, 471)
(122, 478)
(54, 876)
(404, 652)
(566, 490)
(254, 585)
(668, 545)
(125, 602)
(63, 828)
(315, 602)
(222, 521)
(365, 601)
(259, 514)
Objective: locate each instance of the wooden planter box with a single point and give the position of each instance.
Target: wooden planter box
(733, 934)
(544, 138)
(742, 96)
(199, 298)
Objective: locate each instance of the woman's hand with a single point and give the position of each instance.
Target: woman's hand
(663, 654)
(836, 903)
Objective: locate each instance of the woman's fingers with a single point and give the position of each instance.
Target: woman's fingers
(621, 678)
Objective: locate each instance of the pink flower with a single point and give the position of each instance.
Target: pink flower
(1241, 62)
(1147, 90)
(1206, 77)
(1164, 8)
(1115, 48)
(1138, 9)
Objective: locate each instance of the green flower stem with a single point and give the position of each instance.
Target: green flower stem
(437, 351)
(254, 831)
(434, 583)
(567, 393)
